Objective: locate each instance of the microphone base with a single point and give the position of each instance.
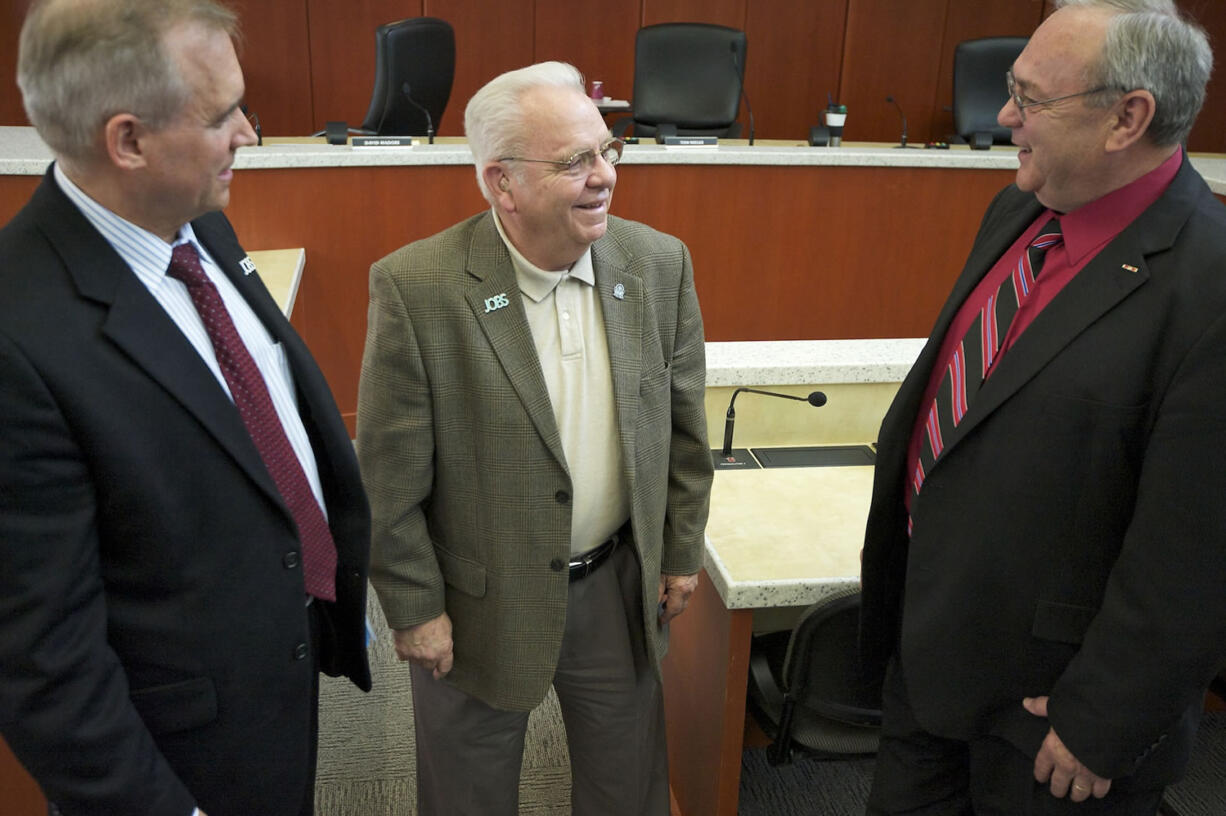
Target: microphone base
(738, 459)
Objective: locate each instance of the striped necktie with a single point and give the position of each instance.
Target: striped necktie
(979, 349)
(260, 416)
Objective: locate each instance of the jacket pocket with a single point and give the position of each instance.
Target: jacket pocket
(176, 706)
(464, 574)
(1063, 623)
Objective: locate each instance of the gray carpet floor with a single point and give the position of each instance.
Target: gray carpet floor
(366, 759)
(1203, 791)
(806, 787)
(366, 745)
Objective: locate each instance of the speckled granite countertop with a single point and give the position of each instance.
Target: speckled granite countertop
(818, 362)
(22, 152)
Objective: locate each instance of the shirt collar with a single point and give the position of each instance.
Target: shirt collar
(537, 283)
(1088, 228)
(144, 252)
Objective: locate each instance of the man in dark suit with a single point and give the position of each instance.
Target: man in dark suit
(183, 532)
(1044, 561)
(532, 432)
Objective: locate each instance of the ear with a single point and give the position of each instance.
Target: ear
(123, 136)
(500, 183)
(1135, 112)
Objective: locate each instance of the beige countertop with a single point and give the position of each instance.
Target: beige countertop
(281, 271)
(786, 536)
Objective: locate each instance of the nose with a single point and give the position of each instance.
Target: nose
(244, 135)
(1009, 115)
(603, 173)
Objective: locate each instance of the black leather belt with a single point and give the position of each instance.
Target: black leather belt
(584, 564)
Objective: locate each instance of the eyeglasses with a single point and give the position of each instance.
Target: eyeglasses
(581, 164)
(1024, 102)
(254, 119)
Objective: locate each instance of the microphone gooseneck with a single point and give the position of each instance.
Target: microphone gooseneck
(429, 120)
(815, 398)
(903, 116)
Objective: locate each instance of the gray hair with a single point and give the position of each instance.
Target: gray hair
(1151, 46)
(494, 121)
(80, 62)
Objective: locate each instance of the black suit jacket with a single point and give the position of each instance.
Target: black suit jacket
(152, 618)
(1071, 541)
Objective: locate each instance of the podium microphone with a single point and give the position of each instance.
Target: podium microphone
(903, 141)
(429, 120)
(736, 66)
(816, 398)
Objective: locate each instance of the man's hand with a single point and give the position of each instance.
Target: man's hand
(427, 644)
(675, 592)
(1057, 763)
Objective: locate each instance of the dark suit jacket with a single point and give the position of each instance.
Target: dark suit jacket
(152, 615)
(461, 453)
(1071, 540)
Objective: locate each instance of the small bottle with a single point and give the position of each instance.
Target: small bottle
(597, 90)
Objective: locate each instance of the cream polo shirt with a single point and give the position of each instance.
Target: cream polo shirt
(567, 326)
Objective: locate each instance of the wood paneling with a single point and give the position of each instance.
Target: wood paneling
(1209, 133)
(19, 793)
(891, 49)
(14, 192)
(12, 13)
(789, 94)
(729, 13)
(606, 57)
(342, 56)
(814, 252)
(490, 38)
(968, 20)
(308, 61)
(705, 676)
(276, 64)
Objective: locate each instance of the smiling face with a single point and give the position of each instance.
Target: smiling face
(187, 162)
(1062, 157)
(553, 216)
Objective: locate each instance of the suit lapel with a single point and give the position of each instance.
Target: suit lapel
(1114, 274)
(996, 235)
(506, 328)
(138, 325)
(622, 303)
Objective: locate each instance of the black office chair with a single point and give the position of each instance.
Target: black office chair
(979, 88)
(687, 77)
(807, 688)
(414, 68)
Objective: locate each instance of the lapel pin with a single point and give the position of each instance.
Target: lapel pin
(493, 304)
(1130, 267)
(619, 291)
(247, 265)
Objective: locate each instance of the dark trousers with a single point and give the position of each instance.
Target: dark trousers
(314, 617)
(921, 774)
(469, 754)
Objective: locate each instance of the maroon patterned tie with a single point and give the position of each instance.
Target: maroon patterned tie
(973, 357)
(258, 414)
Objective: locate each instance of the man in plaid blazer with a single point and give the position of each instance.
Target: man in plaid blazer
(532, 432)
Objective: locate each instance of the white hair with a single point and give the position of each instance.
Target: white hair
(494, 120)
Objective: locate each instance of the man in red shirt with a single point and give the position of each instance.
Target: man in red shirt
(1043, 566)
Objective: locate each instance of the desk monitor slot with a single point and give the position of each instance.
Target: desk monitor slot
(815, 456)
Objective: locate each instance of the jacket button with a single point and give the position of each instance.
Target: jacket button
(290, 560)
(557, 565)
(562, 496)
(300, 651)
